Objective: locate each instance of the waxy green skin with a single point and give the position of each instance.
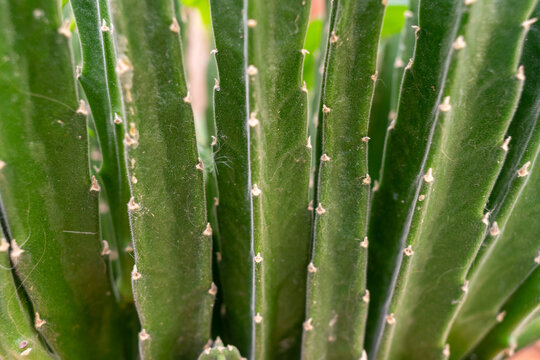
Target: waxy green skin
(336, 315)
(513, 199)
(518, 309)
(465, 156)
(406, 144)
(382, 103)
(16, 325)
(172, 279)
(273, 155)
(220, 352)
(102, 91)
(234, 209)
(45, 186)
(280, 165)
(387, 90)
(528, 333)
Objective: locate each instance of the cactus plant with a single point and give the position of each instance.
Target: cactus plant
(380, 203)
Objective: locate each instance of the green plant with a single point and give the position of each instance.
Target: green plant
(363, 206)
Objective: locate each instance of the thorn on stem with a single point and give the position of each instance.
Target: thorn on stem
(408, 251)
(252, 70)
(208, 230)
(494, 230)
(366, 180)
(365, 297)
(135, 275)
(524, 170)
(320, 210)
(364, 355)
(504, 146)
(429, 176)
(82, 108)
(38, 321)
(527, 23)
(4, 245)
(253, 121)
(365, 242)
(104, 26)
(465, 286)
(95, 186)
(143, 335)
(333, 38)
(333, 321)
(445, 106)
(16, 252)
(129, 141)
(132, 205)
(64, 29)
(390, 319)
(409, 64)
(459, 43)
(117, 119)
(213, 289)
(200, 165)
(446, 351)
(485, 218)
(174, 27)
(187, 98)
(255, 191)
(106, 250)
(392, 125)
(308, 324)
(520, 75)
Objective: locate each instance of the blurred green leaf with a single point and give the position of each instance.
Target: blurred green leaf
(393, 19)
(312, 44)
(204, 8)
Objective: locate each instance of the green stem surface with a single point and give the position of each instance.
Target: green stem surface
(263, 172)
(462, 164)
(45, 186)
(334, 326)
(172, 280)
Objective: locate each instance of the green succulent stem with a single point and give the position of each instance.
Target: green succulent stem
(335, 319)
(172, 277)
(50, 206)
